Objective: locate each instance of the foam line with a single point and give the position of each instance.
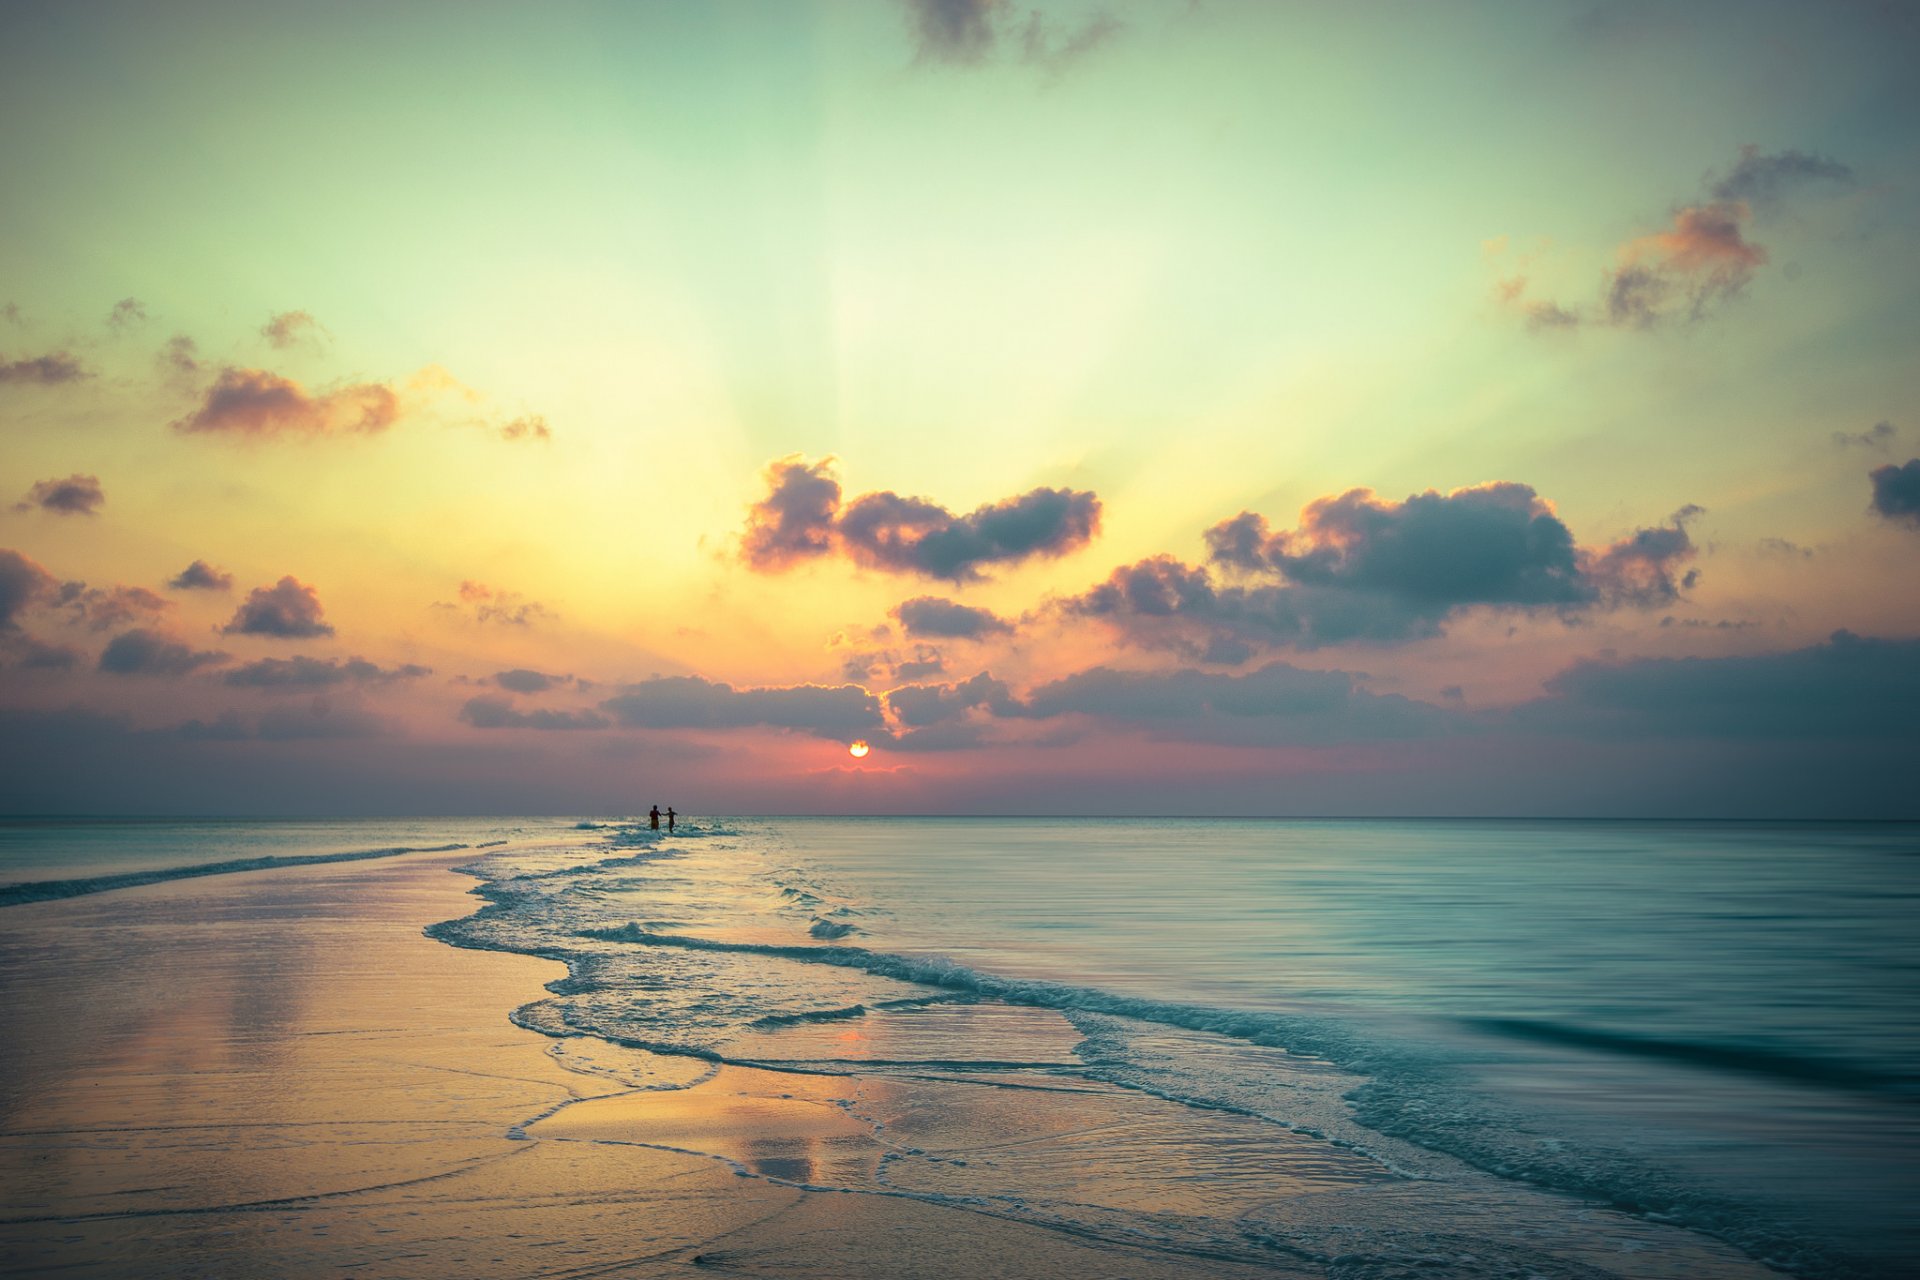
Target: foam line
(23, 892)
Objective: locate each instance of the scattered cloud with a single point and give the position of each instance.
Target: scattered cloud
(932, 618)
(920, 705)
(26, 653)
(256, 404)
(1704, 259)
(104, 608)
(289, 328)
(303, 673)
(288, 610)
(490, 605)
(77, 495)
(528, 426)
(1878, 436)
(201, 576)
(180, 357)
(128, 313)
(22, 582)
(971, 33)
(49, 370)
(144, 652)
(1896, 492)
(1361, 569)
(1762, 180)
(485, 712)
(1781, 548)
(802, 518)
(692, 702)
(526, 680)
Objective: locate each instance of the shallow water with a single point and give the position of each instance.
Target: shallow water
(1704, 1024)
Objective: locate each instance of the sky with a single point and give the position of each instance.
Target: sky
(1171, 407)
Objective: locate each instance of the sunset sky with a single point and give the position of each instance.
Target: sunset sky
(1162, 407)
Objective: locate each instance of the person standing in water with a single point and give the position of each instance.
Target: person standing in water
(670, 816)
(653, 818)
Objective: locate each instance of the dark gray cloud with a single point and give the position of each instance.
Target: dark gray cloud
(289, 609)
(1360, 569)
(77, 495)
(794, 522)
(1274, 706)
(691, 702)
(287, 328)
(526, 680)
(128, 313)
(1761, 180)
(143, 652)
(919, 705)
(253, 403)
(933, 618)
(49, 370)
(29, 654)
(1849, 687)
(1877, 436)
(1896, 492)
(953, 31)
(485, 712)
(802, 518)
(201, 576)
(303, 673)
(22, 582)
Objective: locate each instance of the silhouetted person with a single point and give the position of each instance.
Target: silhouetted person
(653, 818)
(669, 819)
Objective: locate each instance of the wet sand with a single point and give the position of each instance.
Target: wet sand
(275, 1073)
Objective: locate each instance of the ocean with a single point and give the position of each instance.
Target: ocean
(1523, 1047)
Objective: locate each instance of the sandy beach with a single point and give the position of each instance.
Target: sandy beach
(276, 1073)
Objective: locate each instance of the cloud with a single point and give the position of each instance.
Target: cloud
(528, 426)
(181, 357)
(802, 518)
(142, 652)
(128, 313)
(1274, 706)
(1044, 45)
(526, 680)
(299, 673)
(288, 328)
(201, 576)
(253, 403)
(27, 653)
(1762, 180)
(1702, 261)
(492, 606)
(77, 495)
(486, 712)
(49, 370)
(22, 582)
(692, 702)
(1847, 687)
(919, 705)
(102, 609)
(1784, 549)
(1361, 569)
(1877, 436)
(934, 618)
(1896, 492)
(959, 32)
(794, 522)
(289, 609)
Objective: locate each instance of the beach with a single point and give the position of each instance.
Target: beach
(289, 1071)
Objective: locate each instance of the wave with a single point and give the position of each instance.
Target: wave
(23, 892)
(1749, 1059)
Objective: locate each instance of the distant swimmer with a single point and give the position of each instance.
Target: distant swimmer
(670, 816)
(653, 818)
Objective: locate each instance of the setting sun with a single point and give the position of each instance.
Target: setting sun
(858, 749)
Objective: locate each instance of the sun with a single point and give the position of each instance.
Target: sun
(858, 749)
